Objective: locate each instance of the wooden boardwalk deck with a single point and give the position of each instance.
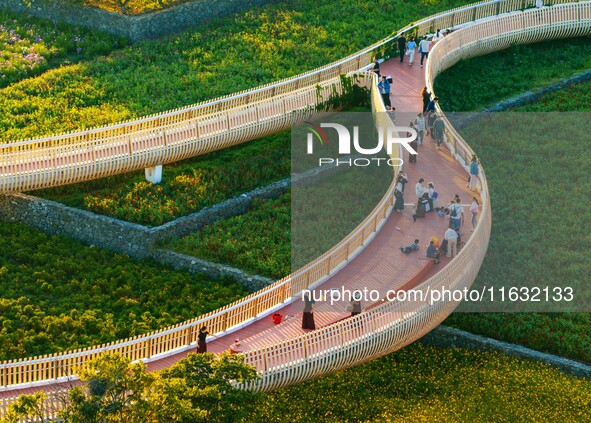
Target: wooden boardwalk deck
(381, 265)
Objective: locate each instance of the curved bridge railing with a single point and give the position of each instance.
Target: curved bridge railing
(384, 328)
(200, 128)
(394, 324)
(181, 133)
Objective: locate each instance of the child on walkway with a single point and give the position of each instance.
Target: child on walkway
(412, 247)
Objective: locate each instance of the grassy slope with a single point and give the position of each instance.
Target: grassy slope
(478, 83)
(58, 294)
(529, 241)
(222, 57)
(424, 384)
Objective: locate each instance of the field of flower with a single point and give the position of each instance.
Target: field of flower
(186, 186)
(222, 57)
(474, 84)
(59, 294)
(576, 98)
(426, 384)
(529, 241)
(30, 46)
(278, 235)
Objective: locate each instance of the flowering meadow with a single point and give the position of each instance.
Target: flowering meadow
(30, 46)
(529, 173)
(59, 294)
(221, 57)
(433, 385)
(129, 7)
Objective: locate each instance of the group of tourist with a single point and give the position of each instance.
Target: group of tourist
(354, 307)
(408, 47)
(236, 347)
(454, 211)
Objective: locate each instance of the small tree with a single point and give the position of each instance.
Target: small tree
(26, 406)
(115, 391)
(209, 382)
(200, 388)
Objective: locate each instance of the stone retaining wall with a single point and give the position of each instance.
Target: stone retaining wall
(193, 264)
(135, 28)
(447, 337)
(118, 235)
(139, 241)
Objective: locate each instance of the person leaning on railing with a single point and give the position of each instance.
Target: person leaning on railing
(384, 87)
(376, 66)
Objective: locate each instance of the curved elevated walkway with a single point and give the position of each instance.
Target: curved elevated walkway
(283, 354)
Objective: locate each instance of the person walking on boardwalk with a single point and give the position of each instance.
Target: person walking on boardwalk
(308, 318)
(384, 87)
(426, 98)
(201, 343)
(474, 211)
(424, 47)
(401, 47)
(398, 194)
(414, 144)
(420, 126)
(473, 173)
(411, 47)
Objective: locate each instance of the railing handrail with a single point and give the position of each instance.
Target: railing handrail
(249, 92)
(486, 213)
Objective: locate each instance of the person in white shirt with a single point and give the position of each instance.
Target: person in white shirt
(474, 211)
(438, 36)
(424, 47)
(420, 189)
(420, 127)
(451, 237)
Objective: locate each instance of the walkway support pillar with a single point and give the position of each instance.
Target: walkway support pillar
(154, 174)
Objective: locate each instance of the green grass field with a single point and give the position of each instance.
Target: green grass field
(58, 294)
(426, 384)
(187, 186)
(222, 57)
(529, 173)
(474, 84)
